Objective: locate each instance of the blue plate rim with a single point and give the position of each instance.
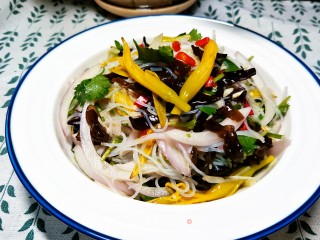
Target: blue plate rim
(97, 235)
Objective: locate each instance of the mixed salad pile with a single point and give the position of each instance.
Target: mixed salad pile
(173, 120)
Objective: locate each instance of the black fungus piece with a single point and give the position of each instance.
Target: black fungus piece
(199, 126)
(202, 185)
(141, 124)
(174, 83)
(197, 51)
(230, 112)
(242, 93)
(239, 75)
(220, 58)
(232, 147)
(260, 152)
(179, 68)
(203, 99)
(134, 86)
(254, 125)
(97, 131)
(75, 123)
(161, 181)
(212, 125)
(208, 165)
(232, 77)
(210, 168)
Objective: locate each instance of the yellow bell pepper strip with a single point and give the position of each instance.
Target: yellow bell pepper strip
(199, 76)
(120, 71)
(123, 98)
(161, 109)
(147, 150)
(149, 80)
(218, 191)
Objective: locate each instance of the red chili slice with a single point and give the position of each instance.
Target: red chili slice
(210, 82)
(141, 101)
(246, 104)
(182, 56)
(202, 42)
(176, 46)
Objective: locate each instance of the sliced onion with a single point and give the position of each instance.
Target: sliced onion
(204, 138)
(251, 133)
(175, 156)
(101, 171)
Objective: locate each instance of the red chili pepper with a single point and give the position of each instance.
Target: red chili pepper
(210, 82)
(182, 56)
(176, 46)
(246, 104)
(143, 132)
(141, 101)
(243, 127)
(202, 42)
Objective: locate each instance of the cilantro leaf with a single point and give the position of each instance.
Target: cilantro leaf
(284, 106)
(92, 89)
(163, 54)
(208, 110)
(248, 144)
(195, 35)
(231, 66)
(80, 91)
(118, 45)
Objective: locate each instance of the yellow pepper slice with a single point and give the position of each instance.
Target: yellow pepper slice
(219, 190)
(149, 80)
(120, 71)
(122, 97)
(160, 106)
(199, 76)
(147, 150)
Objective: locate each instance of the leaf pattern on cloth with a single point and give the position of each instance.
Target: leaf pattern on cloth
(30, 28)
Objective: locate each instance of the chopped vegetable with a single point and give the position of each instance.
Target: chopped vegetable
(182, 56)
(284, 106)
(160, 106)
(92, 89)
(164, 53)
(176, 46)
(210, 82)
(208, 110)
(202, 42)
(195, 35)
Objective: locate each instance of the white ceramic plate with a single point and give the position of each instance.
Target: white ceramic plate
(35, 143)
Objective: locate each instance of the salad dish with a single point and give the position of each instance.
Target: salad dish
(202, 124)
(173, 120)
